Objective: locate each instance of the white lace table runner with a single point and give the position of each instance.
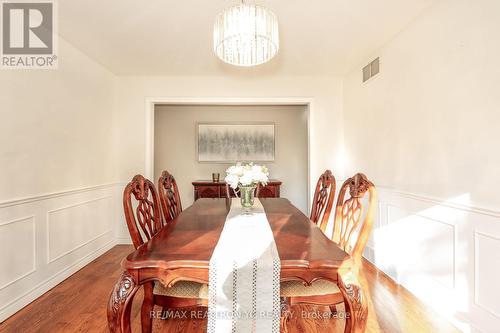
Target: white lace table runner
(244, 275)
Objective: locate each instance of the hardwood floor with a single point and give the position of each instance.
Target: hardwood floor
(78, 304)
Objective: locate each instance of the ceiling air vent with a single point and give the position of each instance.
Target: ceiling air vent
(370, 70)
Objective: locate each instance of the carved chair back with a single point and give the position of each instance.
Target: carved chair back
(142, 210)
(236, 191)
(323, 199)
(348, 230)
(170, 199)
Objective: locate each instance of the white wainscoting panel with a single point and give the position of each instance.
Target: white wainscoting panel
(487, 272)
(44, 239)
(446, 252)
(74, 220)
(21, 262)
(410, 235)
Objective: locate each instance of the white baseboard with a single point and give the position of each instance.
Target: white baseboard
(123, 241)
(369, 254)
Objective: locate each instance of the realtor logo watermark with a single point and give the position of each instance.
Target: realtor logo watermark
(29, 36)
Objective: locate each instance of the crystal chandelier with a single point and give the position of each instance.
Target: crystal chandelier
(246, 35)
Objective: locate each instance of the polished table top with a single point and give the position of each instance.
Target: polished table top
(190, 239)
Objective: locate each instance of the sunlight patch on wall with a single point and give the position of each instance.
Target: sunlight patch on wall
(421, 250)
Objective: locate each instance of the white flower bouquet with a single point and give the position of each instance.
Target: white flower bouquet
(246, 175)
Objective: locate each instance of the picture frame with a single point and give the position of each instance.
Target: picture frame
(231, 142)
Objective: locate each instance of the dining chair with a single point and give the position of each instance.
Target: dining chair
(236, 191)
(323, 200)
(170, 199)
(350, 231)
(143, 216)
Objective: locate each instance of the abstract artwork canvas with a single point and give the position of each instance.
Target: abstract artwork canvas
(224, 142)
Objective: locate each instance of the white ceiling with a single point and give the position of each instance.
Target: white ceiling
(165, 37)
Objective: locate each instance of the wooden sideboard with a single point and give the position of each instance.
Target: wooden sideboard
(209, 189)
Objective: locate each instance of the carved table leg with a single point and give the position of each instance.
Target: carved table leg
(285, 314)
(356, 306)
(120, 302)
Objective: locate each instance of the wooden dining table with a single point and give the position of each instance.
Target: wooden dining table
(182, 250)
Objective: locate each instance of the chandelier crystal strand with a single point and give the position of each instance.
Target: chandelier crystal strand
(246, 35)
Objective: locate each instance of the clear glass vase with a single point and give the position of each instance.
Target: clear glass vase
(247, 194)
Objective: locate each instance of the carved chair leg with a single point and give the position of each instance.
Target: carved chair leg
(356, 307)
(147, 307)
(120, 303)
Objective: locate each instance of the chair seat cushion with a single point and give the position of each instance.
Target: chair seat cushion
(189, 289)
(317, 288)
(182, 289)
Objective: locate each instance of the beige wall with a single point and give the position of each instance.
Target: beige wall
(57, 148)
(175, 145)
(326, 122)
(56, 127)
(429, 122)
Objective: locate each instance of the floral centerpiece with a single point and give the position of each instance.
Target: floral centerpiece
(246, 177)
